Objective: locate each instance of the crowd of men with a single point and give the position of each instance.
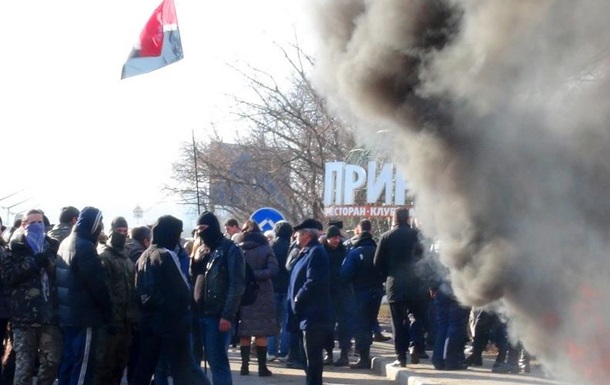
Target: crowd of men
(85, 306)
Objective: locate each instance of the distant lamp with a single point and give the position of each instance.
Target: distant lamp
(138, 213)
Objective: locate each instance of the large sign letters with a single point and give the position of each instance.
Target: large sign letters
(342, 180)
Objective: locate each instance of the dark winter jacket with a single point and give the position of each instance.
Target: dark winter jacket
(358, 266)
(335, 260)
(281, 248)
(164, 295)
(259, 318)
(293, 254)
(134, 250)
(309, 290)
(83, 296)
(397, 255)
(5, 292)
(219, 279)
(29, 304)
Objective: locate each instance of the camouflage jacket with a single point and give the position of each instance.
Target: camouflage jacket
(119, 275)
(60, 231)
(30, 303)
(5, 293)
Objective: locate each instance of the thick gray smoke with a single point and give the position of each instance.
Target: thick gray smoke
(501, 116)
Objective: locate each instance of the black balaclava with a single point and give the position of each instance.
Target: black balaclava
(166, 232)
(211, 236)
(117, 240)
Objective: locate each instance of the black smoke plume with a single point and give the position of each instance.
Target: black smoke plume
(500, 114)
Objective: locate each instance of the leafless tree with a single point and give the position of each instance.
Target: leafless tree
(279, 161)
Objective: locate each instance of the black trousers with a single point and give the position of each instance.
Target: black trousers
(174, 347)
(313, 342)
(406, 331)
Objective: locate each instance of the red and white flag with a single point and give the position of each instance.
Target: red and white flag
(159, 43)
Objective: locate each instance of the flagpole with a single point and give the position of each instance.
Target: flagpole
(196, 173)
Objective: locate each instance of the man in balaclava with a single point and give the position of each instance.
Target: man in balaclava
(164, 300)
(208, 229)
(120, 271)
(85, 307)
(218, 269)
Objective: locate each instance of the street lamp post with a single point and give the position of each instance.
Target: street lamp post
(138, 213)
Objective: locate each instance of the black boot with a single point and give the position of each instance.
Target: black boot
(414, 357)
(364, 361)
(245, 360)
(261, 354)
(343, 359)
(474, 359)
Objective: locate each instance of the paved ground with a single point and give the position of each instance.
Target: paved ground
(284, 375)
(425, 374)
(383, 374)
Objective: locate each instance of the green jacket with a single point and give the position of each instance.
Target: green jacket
(119, 276)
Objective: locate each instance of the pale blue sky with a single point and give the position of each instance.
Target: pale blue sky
(74, 134)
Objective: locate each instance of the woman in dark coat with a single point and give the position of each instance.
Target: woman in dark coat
(258, 319)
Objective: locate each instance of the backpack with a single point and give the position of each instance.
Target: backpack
(251, 286)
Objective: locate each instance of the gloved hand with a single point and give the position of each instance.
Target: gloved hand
(42, 260)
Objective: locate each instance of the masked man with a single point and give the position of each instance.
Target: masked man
(29, 270)
(119, 278)
(219, 273)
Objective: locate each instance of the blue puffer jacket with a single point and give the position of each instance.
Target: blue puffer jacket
(84, 298)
